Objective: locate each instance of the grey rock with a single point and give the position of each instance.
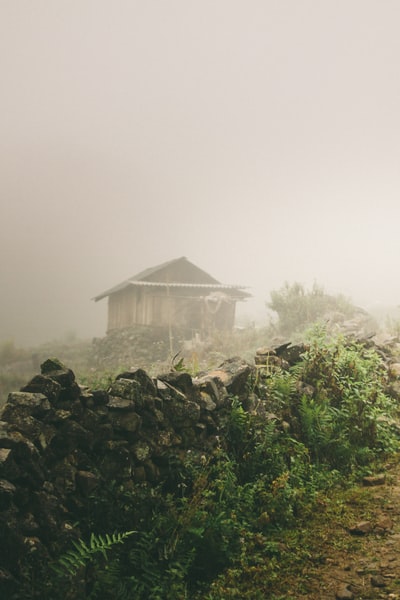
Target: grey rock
(25, 404)
(372, 480)
(129, 389)
(86, 482)
(125, 421)
(235, 374)
(55, 370)
(291, 353)
(44, 385)
(147, 385)
(183, 414)
(206, 402)
(378, 581)
(213, 387)
(117, 403)
(7, 492)
(361, 528)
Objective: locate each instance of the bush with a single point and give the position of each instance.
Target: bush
(348, 420)
(298, 308)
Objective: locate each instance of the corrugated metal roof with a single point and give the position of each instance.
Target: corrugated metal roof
(139, 280)
(208, 286)
(211, 286)
(205, 286)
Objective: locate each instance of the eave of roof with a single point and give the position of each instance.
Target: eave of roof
(206, 286)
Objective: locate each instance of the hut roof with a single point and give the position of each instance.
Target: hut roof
(185, 274)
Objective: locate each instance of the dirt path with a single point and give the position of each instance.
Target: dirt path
(357, 556)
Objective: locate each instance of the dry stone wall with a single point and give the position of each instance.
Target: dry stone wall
(60, 442)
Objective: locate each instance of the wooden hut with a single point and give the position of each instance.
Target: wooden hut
(175, 293)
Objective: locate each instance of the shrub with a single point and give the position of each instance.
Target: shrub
(348, 420)
(298, 308)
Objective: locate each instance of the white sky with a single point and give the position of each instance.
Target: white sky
(260, 139)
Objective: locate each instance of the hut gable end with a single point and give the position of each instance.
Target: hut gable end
(180, 270)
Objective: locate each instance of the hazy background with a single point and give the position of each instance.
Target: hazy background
(259, 138)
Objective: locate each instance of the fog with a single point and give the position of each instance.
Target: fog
(259, 139)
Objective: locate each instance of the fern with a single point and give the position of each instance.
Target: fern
(70, 562)
(238, 427)
(281, 386)
(316, 424)
(109, 583)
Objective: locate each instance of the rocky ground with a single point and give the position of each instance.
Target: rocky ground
(355, 548)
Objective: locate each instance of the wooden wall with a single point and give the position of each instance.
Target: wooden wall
(154, 306)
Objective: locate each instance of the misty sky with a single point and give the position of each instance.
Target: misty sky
(258, 138)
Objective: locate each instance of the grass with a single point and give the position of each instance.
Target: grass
(19, 365)
(305, 558)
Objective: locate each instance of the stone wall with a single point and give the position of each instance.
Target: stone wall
(59, 443)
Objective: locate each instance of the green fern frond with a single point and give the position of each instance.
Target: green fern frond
(316, 424)
(70, 562)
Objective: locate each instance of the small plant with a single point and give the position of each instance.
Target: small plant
(316, 421)
(70, 562)
(178, 364)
